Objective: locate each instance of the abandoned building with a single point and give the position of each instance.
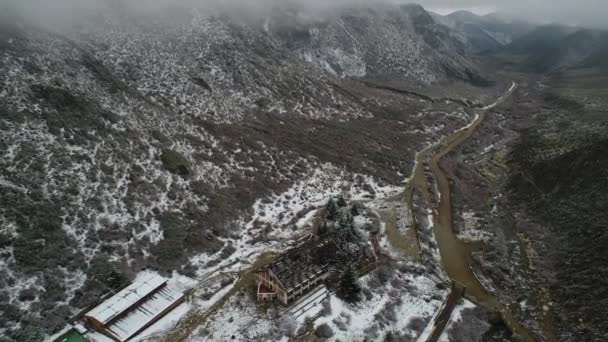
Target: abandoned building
(134, 308)
(303, 268)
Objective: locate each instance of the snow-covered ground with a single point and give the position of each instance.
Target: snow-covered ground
(385, 308)
(281, 220)
(455, 318)
(278, 221)
(390, 309)
(404, 296)
(167, 322)
(472, 229)
(406, 292)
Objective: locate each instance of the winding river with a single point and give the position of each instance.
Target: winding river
(455, 254)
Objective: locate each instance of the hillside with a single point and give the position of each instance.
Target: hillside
(559, 186)
(553, 47)
(384, 41)
(529, 189)
(145, 142)
(199, 143)
(483, 34)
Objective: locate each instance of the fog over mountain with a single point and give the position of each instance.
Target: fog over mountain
(588, 13)
(431, 171)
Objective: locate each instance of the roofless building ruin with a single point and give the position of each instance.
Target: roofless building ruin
(303, 268)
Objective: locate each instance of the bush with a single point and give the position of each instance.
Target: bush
(331, 209)
(324, 331)
(384, 273)
(326, 311)
(417, 324)
(288, 326)
(227, 251)
(340, 324)
(175, 162)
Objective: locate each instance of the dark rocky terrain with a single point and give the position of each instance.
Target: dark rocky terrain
(534, 178)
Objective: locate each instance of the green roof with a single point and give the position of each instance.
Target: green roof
(74, 337)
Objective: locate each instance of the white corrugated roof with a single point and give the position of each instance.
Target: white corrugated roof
(124, 299)
(81, 329)
(148, 311)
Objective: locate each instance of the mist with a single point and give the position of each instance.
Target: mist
(57, 13)
(585, 13)
(63, 14)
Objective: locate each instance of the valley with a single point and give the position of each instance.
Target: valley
(200, 144)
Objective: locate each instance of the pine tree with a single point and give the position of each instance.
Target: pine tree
(345, 220)
(323, 229)
(349, 289)
(115, 279)
(341, 202)
(332, 209)
(354, 210)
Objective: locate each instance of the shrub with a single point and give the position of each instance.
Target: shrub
(417, 324)
(175, 162)
(288, 326)
(384, 273)
(326, 311)
(324, 331)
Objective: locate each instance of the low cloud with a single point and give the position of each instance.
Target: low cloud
(589, 13)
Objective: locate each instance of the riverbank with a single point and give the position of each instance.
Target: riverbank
(430, 179)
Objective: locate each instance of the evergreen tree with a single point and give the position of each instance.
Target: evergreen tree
(332, 209)
(323, 229)
(115, 279)
(349, 289)
(341, 202)
(345, 220)
(354, 210)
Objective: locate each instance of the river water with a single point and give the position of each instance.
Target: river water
(455, 254)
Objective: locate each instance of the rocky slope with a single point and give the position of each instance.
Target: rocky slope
(553, 47)
(383, 41)
(136, 142)
(483, 34)
(528, 191)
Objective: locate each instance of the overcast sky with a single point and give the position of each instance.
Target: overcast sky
(590, 13)
(580, 12)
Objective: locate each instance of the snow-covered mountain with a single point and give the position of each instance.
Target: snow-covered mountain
(483, 33)
(133, 142)
(383, 41)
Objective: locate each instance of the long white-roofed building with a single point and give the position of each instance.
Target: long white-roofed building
(134, 308)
